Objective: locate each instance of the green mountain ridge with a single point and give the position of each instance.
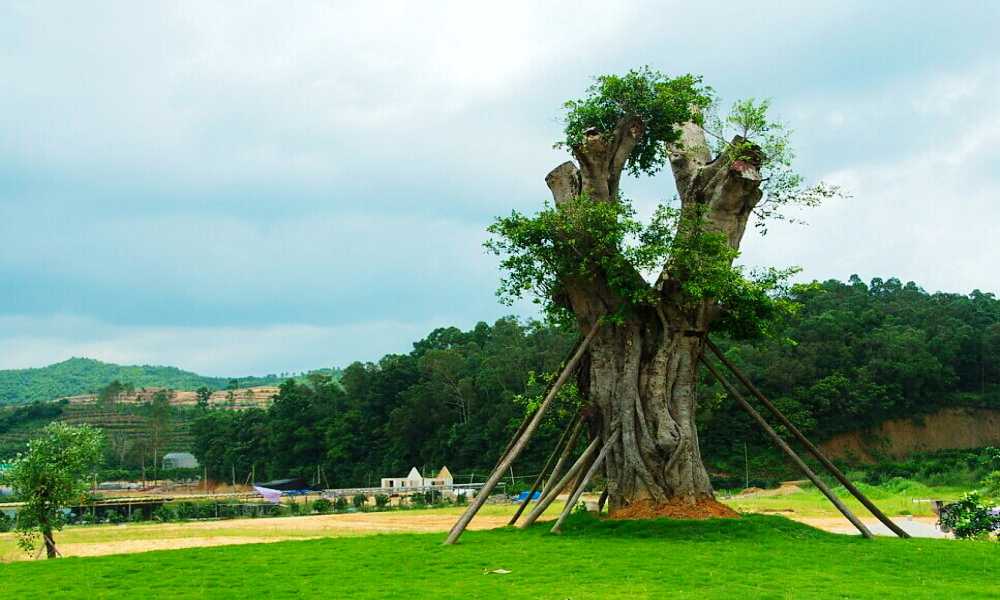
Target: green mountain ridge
(76, 376)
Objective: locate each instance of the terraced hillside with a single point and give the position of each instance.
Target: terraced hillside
(128, 428)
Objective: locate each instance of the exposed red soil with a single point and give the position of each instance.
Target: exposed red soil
(946, 429)
(680, 509)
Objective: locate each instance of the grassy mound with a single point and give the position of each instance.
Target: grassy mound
(754, 556)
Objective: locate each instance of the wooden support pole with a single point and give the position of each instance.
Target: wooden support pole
(527, 418)
(787, 450)
(522, 441)
(816, 452)
(574, 427)
(575, 497)
(567, 451)
(553, 492)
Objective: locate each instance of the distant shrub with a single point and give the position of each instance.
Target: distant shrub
(322, 505)
(293, 507)
(970, 517)
(991, 485)
(340, 505)
(164, 514)
(6, 522)
(113, 516)
(381, 500)
(359, 500)
(185, 511)
(461, 499)
(137, 516)
(418, 499)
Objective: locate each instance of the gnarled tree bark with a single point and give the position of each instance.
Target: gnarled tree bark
(641, 375)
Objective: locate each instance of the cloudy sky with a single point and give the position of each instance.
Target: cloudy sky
(245, 188)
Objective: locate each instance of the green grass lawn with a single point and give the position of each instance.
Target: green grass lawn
(810, 502)
(756, 556)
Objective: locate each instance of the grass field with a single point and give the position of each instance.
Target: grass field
(804, 504)
(756, 556)
(908, 498)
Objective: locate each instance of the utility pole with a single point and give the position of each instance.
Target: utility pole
(746, 464)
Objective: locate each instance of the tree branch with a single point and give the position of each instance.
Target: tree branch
(564, 182)
(688, 156)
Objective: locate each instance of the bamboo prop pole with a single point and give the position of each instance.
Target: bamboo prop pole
(527, 418)
(788, 450)
(572, 426)
(575, 497)
(522, 441)
(553, 492)
(567, 451)
(602, 501)
(816, 452)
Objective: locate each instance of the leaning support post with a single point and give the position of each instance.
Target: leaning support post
(522, 441)
(567, 451)
(571, 427)
(575, 497)
(602, 501)
(850, 487)
(787, 450)
(553, 491)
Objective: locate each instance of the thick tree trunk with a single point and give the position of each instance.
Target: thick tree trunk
(642, 380)
(641, 375)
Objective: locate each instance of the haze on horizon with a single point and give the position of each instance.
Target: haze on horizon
(270, 189)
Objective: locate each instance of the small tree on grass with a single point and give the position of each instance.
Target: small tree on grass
(381, 500)
(359, 501)
(340, 504)
(49, 476)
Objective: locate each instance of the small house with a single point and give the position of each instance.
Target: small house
(415, 480)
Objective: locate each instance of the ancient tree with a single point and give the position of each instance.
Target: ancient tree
(657, 287)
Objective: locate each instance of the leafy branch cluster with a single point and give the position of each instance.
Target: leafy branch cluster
(582, 240)
(748, 133)
(702, 261)
(579, 240)
(660, 102)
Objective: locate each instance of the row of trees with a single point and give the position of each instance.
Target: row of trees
(850, 356)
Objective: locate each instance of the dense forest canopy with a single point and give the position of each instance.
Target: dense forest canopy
(850, 356)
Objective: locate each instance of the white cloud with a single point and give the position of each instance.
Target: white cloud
(219, 351)
(929, 215)
(214, 171)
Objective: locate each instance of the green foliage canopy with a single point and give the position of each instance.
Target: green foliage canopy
(586, 240)
(51, 475)
(661, 102)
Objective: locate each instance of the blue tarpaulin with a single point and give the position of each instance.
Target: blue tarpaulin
(520, 497)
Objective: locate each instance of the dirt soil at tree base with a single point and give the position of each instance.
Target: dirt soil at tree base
(703, 509)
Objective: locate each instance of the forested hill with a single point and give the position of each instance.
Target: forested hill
(854, 354)
(84, 375)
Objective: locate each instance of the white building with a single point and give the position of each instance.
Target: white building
(415, 480)
(180, 460)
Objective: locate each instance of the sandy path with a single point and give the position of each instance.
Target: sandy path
(925, 527)
(97, 541)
